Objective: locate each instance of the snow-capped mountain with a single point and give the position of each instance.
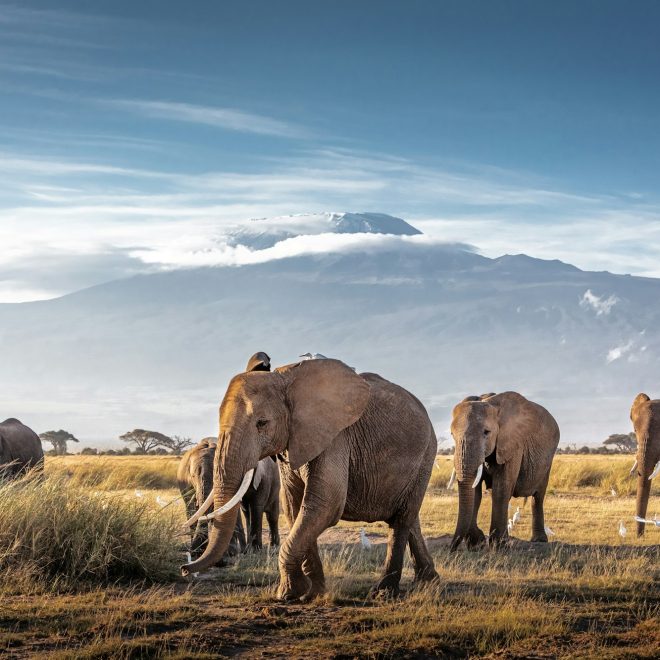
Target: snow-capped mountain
(260, 233)
(156, 351)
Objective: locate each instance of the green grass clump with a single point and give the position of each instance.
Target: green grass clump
(61, 534)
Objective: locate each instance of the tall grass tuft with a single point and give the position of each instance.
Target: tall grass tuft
(61, 534)
(116, 472)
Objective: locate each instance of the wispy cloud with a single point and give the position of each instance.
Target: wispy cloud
(220, 117)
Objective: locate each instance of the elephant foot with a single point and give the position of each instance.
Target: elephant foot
(475, 539)
(315, 592)
(540, 538)
(292, 589)
(455, 543)
(497, 541)
(426, 574)
(387, 587)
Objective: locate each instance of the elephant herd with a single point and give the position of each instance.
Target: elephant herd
(329, 444)
(357, 447)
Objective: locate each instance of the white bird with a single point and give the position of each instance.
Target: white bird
(549, 532)
(138, 493)
(612, 492)
(654, 521)
(509, 525)
(516, 516)
(161, 502)
(189, 558)
(622, 529)
(313, 356)
(364, 539)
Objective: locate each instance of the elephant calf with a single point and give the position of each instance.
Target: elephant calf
(515, 440)
(195, 480)
(645, 416)
(20, 449)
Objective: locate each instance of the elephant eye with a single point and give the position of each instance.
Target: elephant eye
(486, 431)
(262, 423)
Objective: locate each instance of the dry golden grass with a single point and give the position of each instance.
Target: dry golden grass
(588, 593)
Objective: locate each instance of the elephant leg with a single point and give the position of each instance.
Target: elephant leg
(256, 521)
(237, 543)
(396, 546)
(273, 519)
(422, 560)
(323, 501)
(538, 519)
(502, 491)
(313, 570)
(476, 537)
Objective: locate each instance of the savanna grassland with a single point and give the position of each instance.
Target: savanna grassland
(89, 569)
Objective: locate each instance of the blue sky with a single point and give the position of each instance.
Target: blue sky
(516, 126)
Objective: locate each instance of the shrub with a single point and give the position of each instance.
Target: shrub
(63, 534)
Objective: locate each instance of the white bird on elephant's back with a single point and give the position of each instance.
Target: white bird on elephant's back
(313, 356)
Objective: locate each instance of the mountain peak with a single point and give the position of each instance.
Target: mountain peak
(261, 233)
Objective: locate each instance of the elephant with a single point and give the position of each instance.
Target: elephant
(645, 416)
(20, 449)
(195, 480)
(263, 496)
(349, 446)
(508, 442)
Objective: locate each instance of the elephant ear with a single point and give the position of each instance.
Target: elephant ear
(259, 472)
(639, 400)
(325, 397)
(517, 423)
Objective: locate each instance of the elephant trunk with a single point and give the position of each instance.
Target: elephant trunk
(228, 489)
(465, 511)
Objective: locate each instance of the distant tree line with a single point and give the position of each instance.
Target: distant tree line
(152, 443)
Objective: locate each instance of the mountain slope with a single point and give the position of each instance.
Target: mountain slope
(156, 351)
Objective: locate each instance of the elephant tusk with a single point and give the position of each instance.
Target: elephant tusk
(633, 468)
(656, 471)
(478, 477)
(245, 484)
(450, 483)
(201, 511)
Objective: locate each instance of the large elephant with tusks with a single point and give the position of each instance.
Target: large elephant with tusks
(20, 449)
(350, 447)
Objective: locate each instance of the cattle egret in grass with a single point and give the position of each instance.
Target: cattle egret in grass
(313, 356)
(622, 529)
(161, 502)
(509, 525)
(189, 558)
(613, 492)
(516, 516)
(549, 532)
(138, 493)
(364, 539)
(654, 521)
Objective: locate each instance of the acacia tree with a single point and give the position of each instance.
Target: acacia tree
(179, 443)
(58, 439)
(624, 442)
(145, 441)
